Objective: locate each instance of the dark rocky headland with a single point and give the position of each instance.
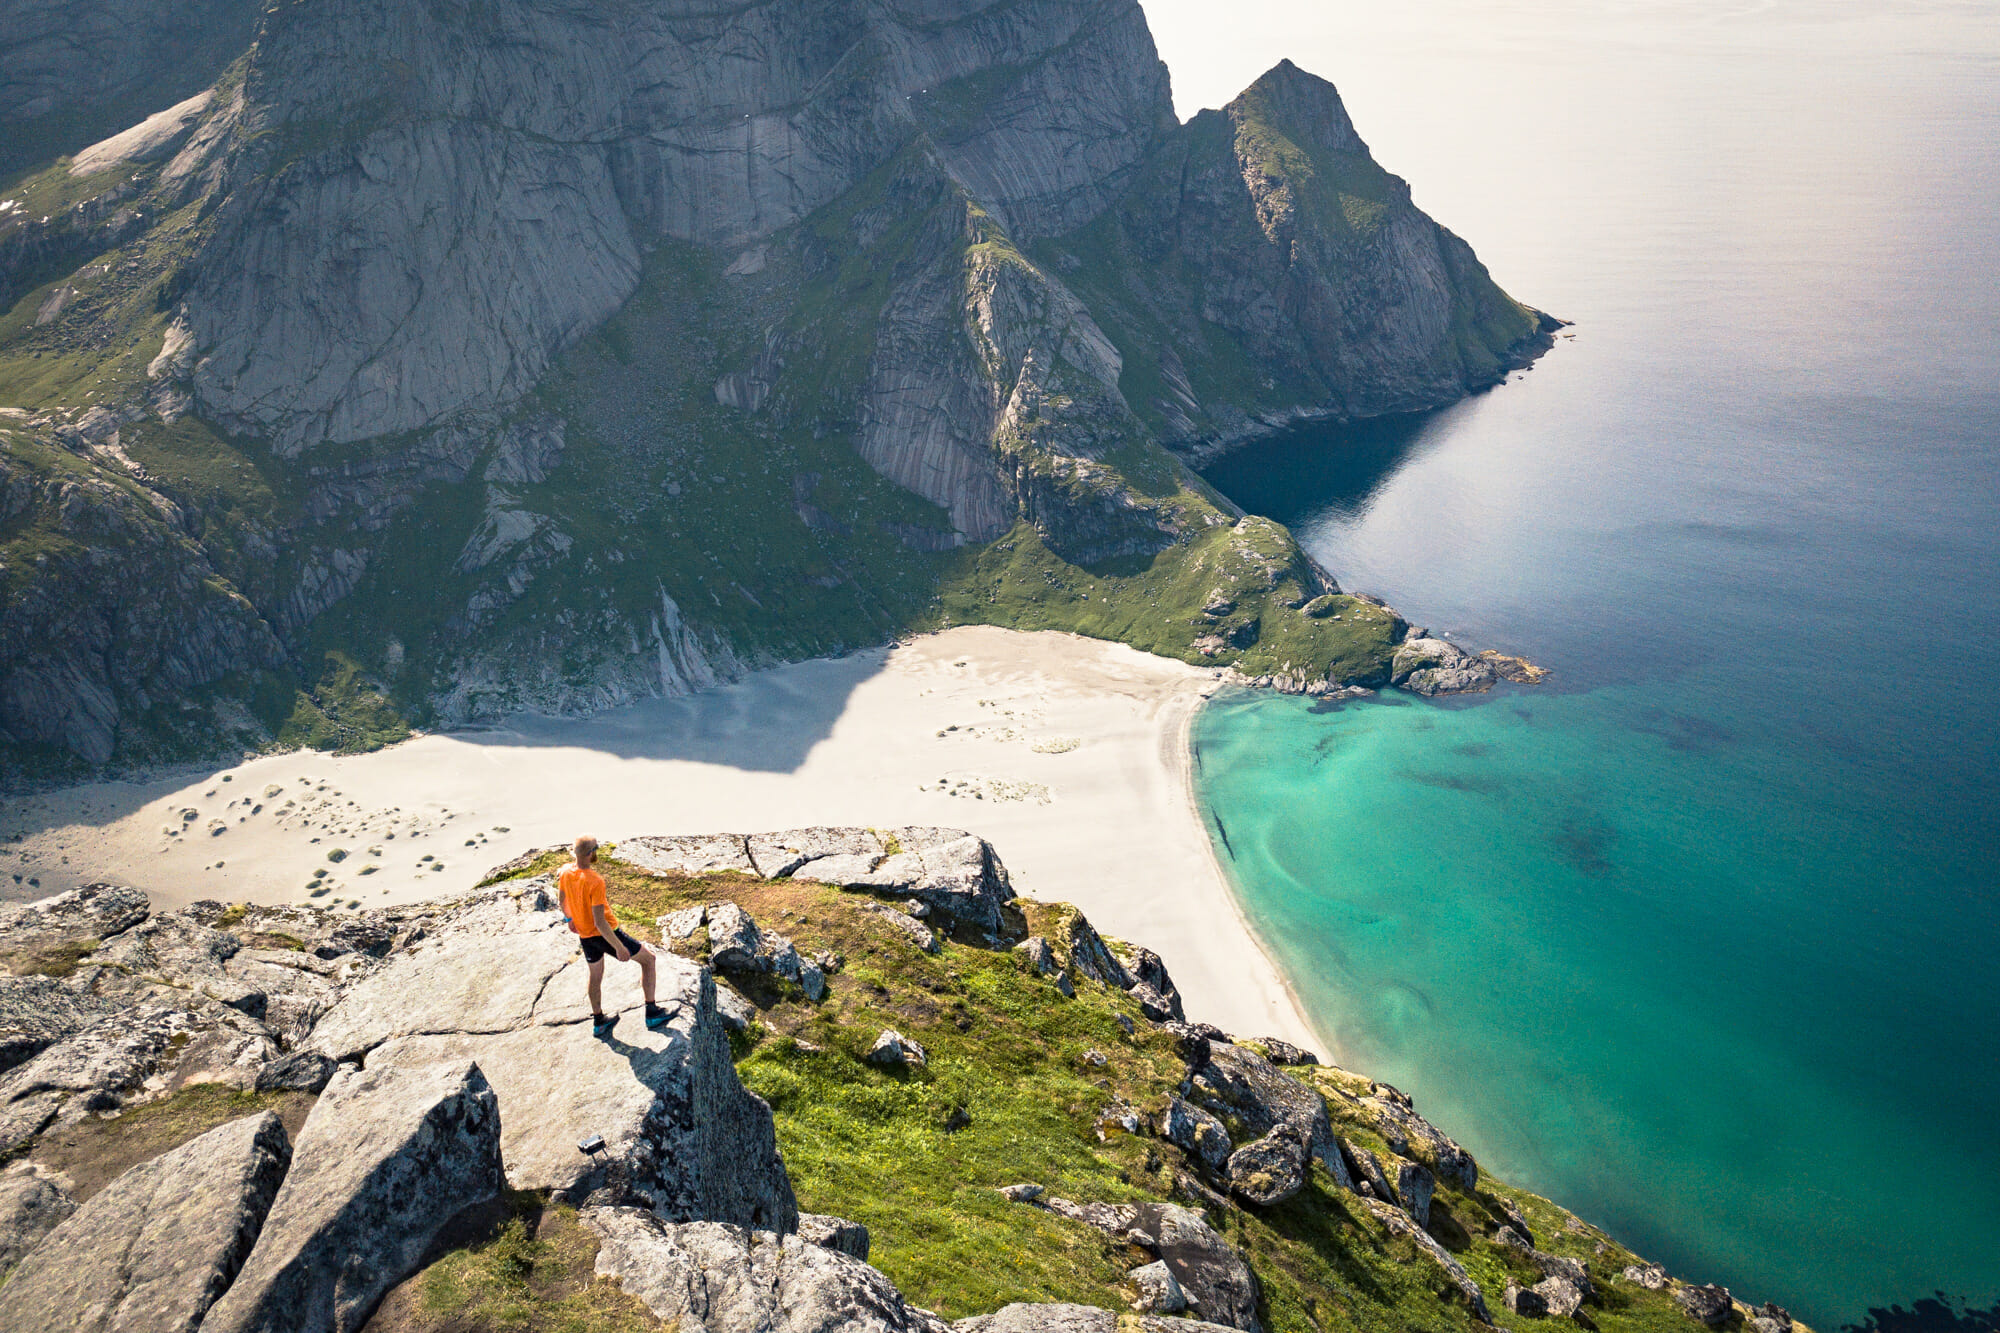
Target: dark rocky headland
(282, 1118)
(416, 364)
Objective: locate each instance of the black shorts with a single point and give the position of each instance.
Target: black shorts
(595, 947)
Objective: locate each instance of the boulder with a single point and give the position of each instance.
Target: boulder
(1414, 1187)
(920, 934)
(727, 1279)
(1159, 1290)
(385, 1159)
(734, 944)
(1650, 1276)
(1196, 1133)
(1022, 1193)
(682, 925)
(953, 873)
(1237, 1081)
(1270, 1170)
(1022, 1317)
(1525, 1301)
(1218, 1284)
(1562, 1266)
(501, 982)
(154, 1249)
(1152, 987)
(1284, 1053)
(834, 1233)
(1710, 1305)
(1561, 1296)
(1515, 1220)
(1368, 1171)
(1771, 1318)
(1216, 1281)
(31, 1206)
(1089, 956)
(1398, 1223)
(892, 1050)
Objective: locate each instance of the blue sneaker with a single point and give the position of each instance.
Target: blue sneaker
(656, 1017)
(602, 1029)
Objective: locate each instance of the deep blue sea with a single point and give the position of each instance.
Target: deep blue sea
(1702, 936)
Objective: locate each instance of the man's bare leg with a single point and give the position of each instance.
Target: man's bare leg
(597, 988)
(648, 973)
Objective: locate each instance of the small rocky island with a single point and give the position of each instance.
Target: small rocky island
(284, 1118)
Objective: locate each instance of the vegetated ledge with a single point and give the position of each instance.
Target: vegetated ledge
(873, 1052)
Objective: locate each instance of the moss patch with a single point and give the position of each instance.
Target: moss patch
(95, 1151)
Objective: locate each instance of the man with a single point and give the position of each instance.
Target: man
(589, 915)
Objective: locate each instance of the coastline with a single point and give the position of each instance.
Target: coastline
(1304, 1032)
(1069, 754)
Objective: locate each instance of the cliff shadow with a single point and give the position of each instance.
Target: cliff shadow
(768, 722)
(1320, 467)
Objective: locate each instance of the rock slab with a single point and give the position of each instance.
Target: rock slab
(385, 1160)
(728, 1279)
(152, 1251)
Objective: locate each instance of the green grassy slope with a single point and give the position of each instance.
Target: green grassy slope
(1013, 1092)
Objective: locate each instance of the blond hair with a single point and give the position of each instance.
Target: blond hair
(586, 850)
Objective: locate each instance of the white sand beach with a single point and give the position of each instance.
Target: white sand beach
(1068, 754)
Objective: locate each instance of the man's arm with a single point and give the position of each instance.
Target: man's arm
(608, 935)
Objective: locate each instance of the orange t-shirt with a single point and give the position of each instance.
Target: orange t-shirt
(582, 889)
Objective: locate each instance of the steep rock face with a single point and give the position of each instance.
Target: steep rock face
(71, 73)
(830, 290)
(1271, 220)
(389, 258)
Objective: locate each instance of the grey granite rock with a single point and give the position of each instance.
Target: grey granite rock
(385, 1159)
(1710, 1305)
(1525, 1301)
(95, 912)
(1022, 1317)
(31, 1206)
(37, 1012)
(499, 980)
(1218, 1283)
(734, 944)
(690, 854)
(834, 1233)
(1414, 1187)
(155, 1248)
(735, 1012)
(1284, 1053)
(1269, 1170)
(1560, 1296)
(1368, 1171)
(1159, 1290)
(892, 1050)
(1436, 666)
(1196, 1133)
(731, 1280)
(1652, 1277)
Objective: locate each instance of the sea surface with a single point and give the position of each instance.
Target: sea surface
(1702, 936)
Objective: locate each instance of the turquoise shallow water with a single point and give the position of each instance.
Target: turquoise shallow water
(1698, 937)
